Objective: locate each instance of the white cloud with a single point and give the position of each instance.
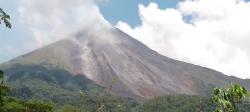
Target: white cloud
(52, 20)
(216, 35)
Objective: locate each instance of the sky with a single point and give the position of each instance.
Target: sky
(209, 33)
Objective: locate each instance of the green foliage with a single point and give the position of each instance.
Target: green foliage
(177, 103)
(39, 106)
(227, 99)
(5, 18)
(13, 105)
(3, 89)
(10, 104)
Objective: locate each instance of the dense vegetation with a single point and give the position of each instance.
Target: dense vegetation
(177, 103)
(12, 104)
(78, 94)
(29, 82)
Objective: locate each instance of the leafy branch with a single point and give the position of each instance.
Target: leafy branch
(227, 99)
(5, 18)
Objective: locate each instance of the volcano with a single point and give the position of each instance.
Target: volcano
(138, 71)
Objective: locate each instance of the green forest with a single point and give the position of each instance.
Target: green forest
(60, 92)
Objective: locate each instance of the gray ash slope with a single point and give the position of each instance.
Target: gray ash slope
(139, 71)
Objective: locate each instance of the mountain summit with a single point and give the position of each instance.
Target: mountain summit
(139, 71)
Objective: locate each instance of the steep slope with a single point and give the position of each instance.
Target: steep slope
(139, 71)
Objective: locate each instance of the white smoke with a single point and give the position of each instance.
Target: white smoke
(52, 20)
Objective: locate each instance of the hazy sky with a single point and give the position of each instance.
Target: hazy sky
(210, 33)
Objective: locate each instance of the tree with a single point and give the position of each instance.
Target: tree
(4, 89)
(5, 18)
(227, 99)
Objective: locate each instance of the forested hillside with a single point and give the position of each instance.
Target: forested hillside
(67, 93)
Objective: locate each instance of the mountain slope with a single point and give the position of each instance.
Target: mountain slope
(38, 82)
(140, 72)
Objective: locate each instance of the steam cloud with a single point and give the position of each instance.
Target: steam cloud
(52, 20)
